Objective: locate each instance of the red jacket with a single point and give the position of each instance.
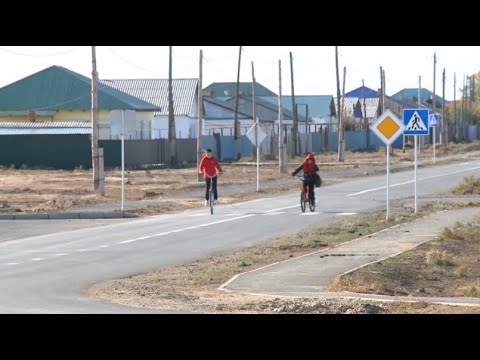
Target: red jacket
(309, 168)
(209, 167)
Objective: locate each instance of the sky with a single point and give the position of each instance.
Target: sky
(313, 66)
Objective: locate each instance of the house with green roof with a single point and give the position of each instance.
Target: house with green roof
(59, 95)
(225, 90)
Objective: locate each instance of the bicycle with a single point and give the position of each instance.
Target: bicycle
(211, 197)
(304, 198)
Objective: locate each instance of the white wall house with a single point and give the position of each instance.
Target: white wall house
(155, 91)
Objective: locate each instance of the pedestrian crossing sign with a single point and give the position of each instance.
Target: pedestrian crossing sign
(416, 121)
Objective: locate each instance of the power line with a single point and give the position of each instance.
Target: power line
(131, 63)
(40, 55)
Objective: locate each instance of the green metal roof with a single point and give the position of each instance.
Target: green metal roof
(57, 88)
(221, 89)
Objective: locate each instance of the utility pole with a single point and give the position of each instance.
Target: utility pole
(200, 115)
(470, 98)
(339, 113)
(365, 120)
(434, 101)
(281, 142)
(236, 130)
(172, 135)
(444, 123)
(455, 106)
(342, 130)
(384, 90)
(95, 152)
(462, 113)
(382, 110)
(294, 131)
(257, 125)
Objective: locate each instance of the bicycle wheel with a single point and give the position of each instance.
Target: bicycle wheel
(303, 204)
(311, 204)
(211, 202)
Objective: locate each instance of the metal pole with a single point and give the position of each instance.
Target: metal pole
(388, 182)
(434, 141)
(281, 143)
(255, 119)
(415, 146)
(123, 161)
(258, 155)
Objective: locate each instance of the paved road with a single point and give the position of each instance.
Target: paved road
(50, 273)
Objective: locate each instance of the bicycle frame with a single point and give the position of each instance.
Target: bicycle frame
(210, 193)
(304, 197)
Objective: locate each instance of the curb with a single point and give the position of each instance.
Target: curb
(67, 216)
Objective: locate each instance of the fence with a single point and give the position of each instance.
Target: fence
(69, 151)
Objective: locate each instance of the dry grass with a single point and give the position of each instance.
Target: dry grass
(470, 185)
(449, 266)
(439, 258)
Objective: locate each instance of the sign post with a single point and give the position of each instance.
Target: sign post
(257, 136)
(415, 121)
(123, 123)
(433, 123)
(387, 128)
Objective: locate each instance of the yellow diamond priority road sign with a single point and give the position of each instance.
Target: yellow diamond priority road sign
(387, 127)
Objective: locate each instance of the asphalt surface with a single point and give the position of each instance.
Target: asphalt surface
(310, 275)
(50, 272)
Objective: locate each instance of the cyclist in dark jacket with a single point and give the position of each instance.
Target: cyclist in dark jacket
(310, 170)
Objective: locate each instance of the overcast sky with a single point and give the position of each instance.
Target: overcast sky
(314, 66)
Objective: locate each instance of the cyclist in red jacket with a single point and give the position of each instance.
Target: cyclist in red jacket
(209, 167)
(310, 170)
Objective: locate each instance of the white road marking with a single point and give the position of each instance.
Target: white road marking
(346, 214)
(11, 264)
(283, 208)
(411, 181)
(81, 250)
(309, 213)
(189, 228)
(463, 164)
(38, 259)
(59, 254)
(274, 213)
(103, 246)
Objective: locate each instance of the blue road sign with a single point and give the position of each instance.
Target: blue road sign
(416, 121)
(433, 120)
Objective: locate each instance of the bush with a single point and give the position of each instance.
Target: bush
(470, 185)
(436, 257)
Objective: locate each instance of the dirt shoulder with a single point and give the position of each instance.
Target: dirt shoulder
(194, 287)
(159, 191)
(449, 266)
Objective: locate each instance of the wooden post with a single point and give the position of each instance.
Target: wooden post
(236, 129)
(455, 106)
(339, 113)
(95, 163)
(281, 142)
(200, 116)
(444, 123)
(172, 135)
(294, 132)
(341, 132)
